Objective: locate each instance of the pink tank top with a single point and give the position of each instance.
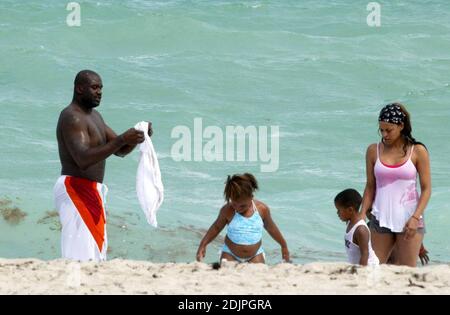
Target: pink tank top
(396, 195)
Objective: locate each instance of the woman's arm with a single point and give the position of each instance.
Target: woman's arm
(213, 231)
(423, 168)
(369, 191)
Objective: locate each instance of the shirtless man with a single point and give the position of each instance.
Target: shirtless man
(85, 141)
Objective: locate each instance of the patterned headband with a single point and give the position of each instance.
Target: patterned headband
(392, 114)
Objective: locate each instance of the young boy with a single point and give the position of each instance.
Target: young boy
(357, 236)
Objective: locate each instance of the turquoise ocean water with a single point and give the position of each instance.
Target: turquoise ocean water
(313, 68)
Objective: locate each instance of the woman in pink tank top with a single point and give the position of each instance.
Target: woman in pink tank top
(391, 191)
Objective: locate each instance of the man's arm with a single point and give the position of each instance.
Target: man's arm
(77, 140)
(125, 149)
(112, 136)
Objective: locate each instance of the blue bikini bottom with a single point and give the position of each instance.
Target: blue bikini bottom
(226, 249)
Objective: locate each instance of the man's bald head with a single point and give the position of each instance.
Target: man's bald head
(84, 77)
(88, 88)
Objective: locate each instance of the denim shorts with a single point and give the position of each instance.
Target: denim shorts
(375, 225)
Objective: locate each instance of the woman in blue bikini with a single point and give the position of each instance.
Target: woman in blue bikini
(245, 218)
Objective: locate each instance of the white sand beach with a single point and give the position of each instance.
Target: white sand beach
(31, 276)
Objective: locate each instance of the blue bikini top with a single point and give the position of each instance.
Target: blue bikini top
(246, 231)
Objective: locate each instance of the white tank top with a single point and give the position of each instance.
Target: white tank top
(353, 252)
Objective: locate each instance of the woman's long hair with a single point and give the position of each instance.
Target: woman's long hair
(407, 129)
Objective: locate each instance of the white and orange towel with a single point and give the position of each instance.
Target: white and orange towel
(81, 206)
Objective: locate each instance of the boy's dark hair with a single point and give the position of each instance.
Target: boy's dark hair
(240, 185)
(349, 198)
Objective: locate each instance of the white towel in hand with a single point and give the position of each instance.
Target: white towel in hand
(149, 187)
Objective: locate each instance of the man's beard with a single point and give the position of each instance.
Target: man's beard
(90, 102)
